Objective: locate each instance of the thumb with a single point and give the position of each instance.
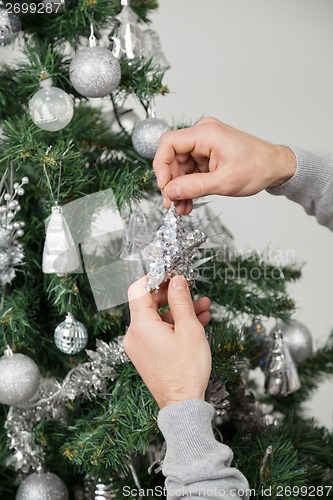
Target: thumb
(191, 186)
(180, 301)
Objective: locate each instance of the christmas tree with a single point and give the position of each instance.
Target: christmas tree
(75, 416)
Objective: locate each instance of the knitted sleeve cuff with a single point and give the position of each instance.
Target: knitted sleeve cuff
(187, 429)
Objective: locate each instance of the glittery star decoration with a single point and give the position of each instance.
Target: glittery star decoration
(172, 250)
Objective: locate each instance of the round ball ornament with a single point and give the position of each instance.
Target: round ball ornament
(94, 72)
(298, 339)
(42, 486)
(19, 378)
(10, 25)
(51, 108)
(71, 336)
(146, 136)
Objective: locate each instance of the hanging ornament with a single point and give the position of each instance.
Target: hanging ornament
(217, 395)
(258, 343)
(281, 373)
(104, 490)
(60, 255)
(19, 378)
(94, 71)
(172, 250)
(11, 251)
(137, 235)
(129, 39)
(152, 49)
(298, 339)
(51, 108)
(147, 133)
(127, 117)
(10, 25)
(42, 486)
(71, 336)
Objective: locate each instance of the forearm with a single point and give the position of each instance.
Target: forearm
(196, 465)
(312, 185)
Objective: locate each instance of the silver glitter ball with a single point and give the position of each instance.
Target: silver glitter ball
(10, 26)
(71, 336)
(19, 379)
(51, 108)
(44, 486)
(146, 136)
(94, 72)
(298, 339)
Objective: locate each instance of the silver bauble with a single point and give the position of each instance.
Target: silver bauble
(44, 486)
(10, 25)
(298, 339)
(94, 72)
(19, 379)
(51, 108)
(71, 336)
(146, 136)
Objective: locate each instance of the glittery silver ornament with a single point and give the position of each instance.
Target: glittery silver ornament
(10, 25)
(172, 250)
(298, 339)
(43, 486)
(281, 373)
(104, 491)
(71, 336)
(94, 72)
(4, 258)
(60, 254)
(146, 136)
(51, 108)
(19, 378)
(5, 236)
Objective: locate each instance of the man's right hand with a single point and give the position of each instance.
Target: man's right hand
(214, 158)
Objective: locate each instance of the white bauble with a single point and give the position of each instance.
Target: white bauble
(19, 379)
(44, 486)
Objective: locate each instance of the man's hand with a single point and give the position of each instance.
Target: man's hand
(170, 351)
(214, 158)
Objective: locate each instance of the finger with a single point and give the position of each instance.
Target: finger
(180, 300)
(171, 144)
(180, 207)
(141, 302)
(201, 306)
(188, 207)
(193, 186)
(204, 318)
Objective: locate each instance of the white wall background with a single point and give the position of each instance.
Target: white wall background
(265, 67)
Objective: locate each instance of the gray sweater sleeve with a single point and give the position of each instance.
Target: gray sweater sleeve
(312, 185)
(196, 465)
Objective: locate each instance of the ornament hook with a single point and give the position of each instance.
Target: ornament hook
(92, 38)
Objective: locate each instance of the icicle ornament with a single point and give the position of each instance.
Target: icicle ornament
(281, 373)
(60, 255)
(172, 250)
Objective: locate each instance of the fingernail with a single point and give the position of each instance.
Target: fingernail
(162, 184)
(173, 190)
(179, 283)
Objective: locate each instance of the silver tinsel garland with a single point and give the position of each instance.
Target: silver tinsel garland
(83, 382)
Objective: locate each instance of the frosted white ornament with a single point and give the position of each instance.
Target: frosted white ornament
(60, 255)
(71, 336)
(19, 378)
(51, 108)
(42, 486)
(10, 25)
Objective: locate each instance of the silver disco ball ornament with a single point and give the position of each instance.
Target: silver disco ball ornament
(94, 72)
(146, 136)
(71, 336)
(51, 108)
(42, 486)
(19, 378)
(10, 25)
(297, 338)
